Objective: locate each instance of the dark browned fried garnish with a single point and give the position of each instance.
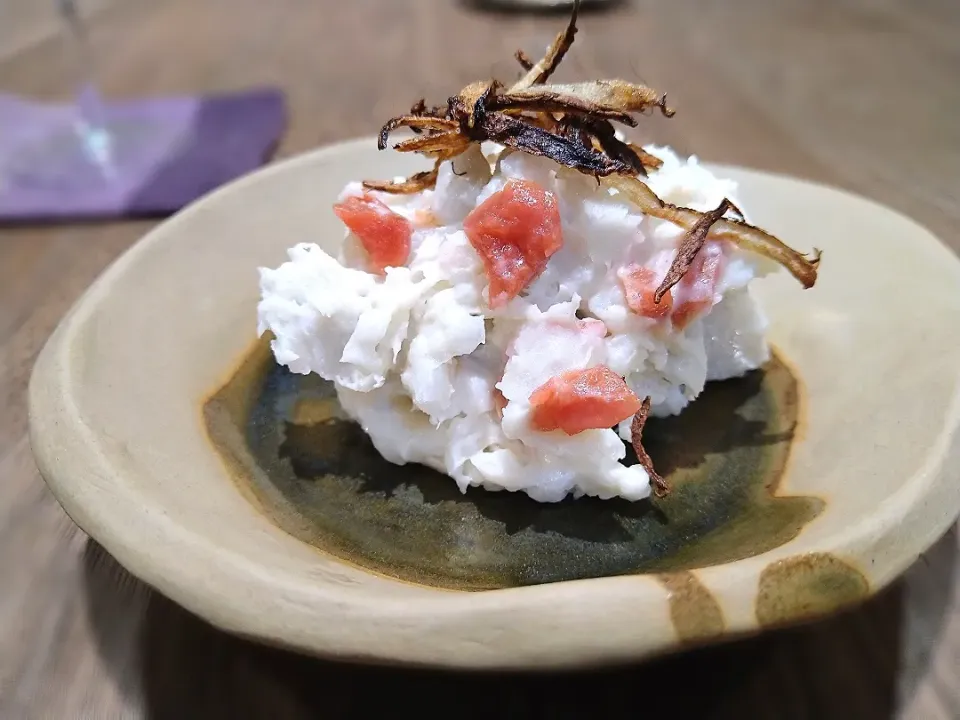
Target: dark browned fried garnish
(415, 183)
(599, 133)
(542, 100)
(571, 125)
(472, 103)
(738, 232)
(664, 110)
(649, 161)
(539, 121)
(614, 99)
(638, 159)
(660, 487)
(423, 122)
(690, 245)
(419, 108)
(734, 209)
(573, 128)
(525, 62)
(445, 142)
(539, 72)
(517, 134)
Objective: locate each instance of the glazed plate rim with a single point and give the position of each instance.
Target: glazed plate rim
(437, 628)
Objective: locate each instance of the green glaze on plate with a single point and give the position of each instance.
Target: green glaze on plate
(318, 477)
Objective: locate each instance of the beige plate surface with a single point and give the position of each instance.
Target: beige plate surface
(115, 410)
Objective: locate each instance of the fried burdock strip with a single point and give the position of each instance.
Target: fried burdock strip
(571, 124)
(613, 99)
(445, 142)
(421, 122)
(419, 108)
(534, 140)
(539, 72)
(573, 128)
(690, 245)
(605, 138)
(591, 148)
(413, 184)
(535, 101)
(607, 141)
(738, 232)
(648, 160)
(599, 134)
(525, 62)
(660, 487)
(421, 180)
(469, 107)
(552, 109)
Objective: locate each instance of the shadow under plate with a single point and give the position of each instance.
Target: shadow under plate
(316, 475)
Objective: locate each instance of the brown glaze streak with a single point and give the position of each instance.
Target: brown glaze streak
(807, 586)
(695, 613)
(223, 414)
(316, 475)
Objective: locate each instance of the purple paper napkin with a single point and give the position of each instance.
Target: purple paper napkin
(165, 153)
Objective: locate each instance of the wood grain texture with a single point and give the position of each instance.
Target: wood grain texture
(27, 22)
(857, 93)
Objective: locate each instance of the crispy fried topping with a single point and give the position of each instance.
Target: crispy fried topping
(538, 73)
(738, 232)
(689, 247)
(413, 184)
(660, 487)
(572, 124)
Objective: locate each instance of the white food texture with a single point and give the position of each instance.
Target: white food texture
(424, 365)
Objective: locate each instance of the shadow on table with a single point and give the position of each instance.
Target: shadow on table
(864, 664)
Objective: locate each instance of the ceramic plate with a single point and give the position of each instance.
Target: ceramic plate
(237, 489)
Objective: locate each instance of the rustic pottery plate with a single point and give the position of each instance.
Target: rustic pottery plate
(235, 488)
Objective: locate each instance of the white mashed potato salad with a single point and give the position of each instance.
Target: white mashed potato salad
(443, 363)
(512, 316)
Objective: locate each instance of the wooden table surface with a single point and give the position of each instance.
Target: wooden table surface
(864, 94)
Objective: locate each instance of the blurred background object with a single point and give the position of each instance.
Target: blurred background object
(93, 158)
(541, 5)
(27, 22)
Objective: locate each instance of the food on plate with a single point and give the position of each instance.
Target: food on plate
(514, 315)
